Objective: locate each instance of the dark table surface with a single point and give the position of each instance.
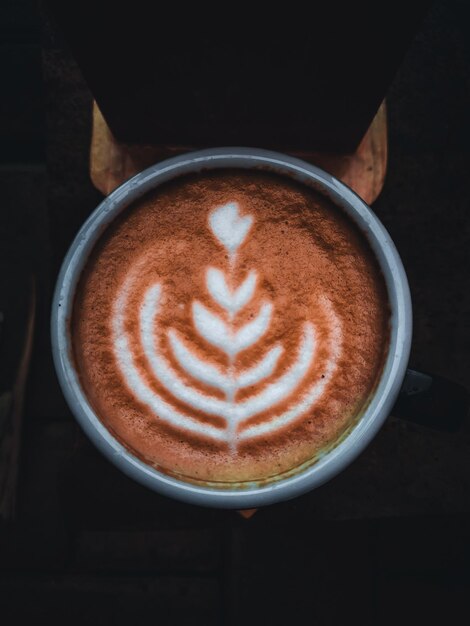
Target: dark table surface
(387, 541)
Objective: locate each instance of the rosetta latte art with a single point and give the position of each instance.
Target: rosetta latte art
(223, 332)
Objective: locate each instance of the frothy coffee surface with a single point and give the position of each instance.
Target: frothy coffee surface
(230, 326)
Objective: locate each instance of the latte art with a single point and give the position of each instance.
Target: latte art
(230, 327)
(230, 229)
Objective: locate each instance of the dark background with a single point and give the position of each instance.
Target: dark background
(385, 542)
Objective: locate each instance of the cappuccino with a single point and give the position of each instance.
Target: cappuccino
(230, 326)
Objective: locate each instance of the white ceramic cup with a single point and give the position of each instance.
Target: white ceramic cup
(386, 391)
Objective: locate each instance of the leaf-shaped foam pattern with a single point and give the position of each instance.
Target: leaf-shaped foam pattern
(234, 413)
(230, 229)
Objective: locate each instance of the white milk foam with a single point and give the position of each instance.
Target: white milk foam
(230, 229)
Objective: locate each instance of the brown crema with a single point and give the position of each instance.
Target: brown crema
(148, 327)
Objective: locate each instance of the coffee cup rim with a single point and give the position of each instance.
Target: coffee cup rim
(382, 399)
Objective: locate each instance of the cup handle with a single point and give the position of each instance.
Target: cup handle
(432, 401)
